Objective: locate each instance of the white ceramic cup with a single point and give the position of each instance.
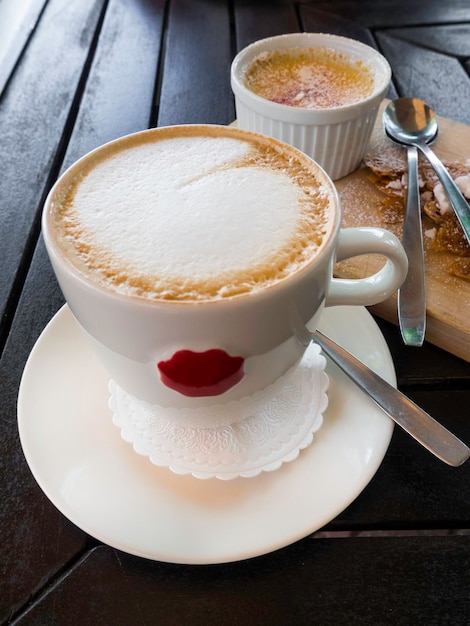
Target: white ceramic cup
(336, 137)
(262, 329)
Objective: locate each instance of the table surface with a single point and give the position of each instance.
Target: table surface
(82, 73)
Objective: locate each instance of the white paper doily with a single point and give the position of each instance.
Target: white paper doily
(238, 439)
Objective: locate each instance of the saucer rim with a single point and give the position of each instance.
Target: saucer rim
(35, 398)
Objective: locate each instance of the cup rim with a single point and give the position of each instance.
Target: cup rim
(298, 115)
(57, 253)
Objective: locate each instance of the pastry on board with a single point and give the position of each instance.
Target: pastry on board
(388, 172)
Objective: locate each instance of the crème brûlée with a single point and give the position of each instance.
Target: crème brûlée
(314, 78)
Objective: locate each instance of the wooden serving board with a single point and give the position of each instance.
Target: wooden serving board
(447, 297)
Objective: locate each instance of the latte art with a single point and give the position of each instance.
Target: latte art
(193, 213)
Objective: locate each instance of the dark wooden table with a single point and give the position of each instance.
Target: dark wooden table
(87, 72)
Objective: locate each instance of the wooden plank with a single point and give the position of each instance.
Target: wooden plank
(255, 21)
(413, 489)
(15, 32)
(417, 71)
(119, 92)
(390, 13)
(365, 580)
(426, 367)
(196, 79)
(117, 100)
(452, 39)
(319, 21)
(33, 112)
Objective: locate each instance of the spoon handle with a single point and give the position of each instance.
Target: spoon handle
(419, 424)
(460, 205)
(412, 294)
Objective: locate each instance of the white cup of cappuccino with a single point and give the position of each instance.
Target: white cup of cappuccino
(194, 258)
(316, 91)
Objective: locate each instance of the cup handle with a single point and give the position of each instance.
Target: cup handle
(377, 287)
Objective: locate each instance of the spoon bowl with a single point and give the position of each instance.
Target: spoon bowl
(409, 121)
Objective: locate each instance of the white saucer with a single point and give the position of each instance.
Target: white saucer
(97, 481)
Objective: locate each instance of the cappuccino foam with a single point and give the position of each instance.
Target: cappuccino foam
(193, 213)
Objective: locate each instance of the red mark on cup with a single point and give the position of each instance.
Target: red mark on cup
(197, 374)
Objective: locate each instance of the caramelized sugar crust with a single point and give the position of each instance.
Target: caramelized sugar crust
(313, 78)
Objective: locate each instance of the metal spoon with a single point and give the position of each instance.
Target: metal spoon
(412, 293)
(419, 424)
(413, 122)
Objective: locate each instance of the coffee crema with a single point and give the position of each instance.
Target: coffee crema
(192, 213)
(313, 78)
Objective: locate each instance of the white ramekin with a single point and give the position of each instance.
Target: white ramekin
(336, 138)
